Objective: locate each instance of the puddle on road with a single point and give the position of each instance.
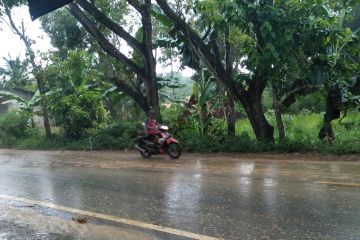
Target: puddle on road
(18, 223)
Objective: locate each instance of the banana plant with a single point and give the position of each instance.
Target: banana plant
(203, 91)
(26, 106)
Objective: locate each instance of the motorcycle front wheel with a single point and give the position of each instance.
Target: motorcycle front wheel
(174, 150)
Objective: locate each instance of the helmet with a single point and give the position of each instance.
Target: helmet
(151, 113)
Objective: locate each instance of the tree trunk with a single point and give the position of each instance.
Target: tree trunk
(230, 115)
(250, 99)
(150, 63)
(46, 121)
(279, 121)
(37, 71)
(41, 86)
(146, 73)
(204, 117)
(132, 93)
(230, 105)
(332, 113)
(263, 130)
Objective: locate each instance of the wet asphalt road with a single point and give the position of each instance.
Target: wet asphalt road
(223, 196)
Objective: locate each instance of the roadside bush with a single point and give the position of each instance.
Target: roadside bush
(13, 126)
(115, 137)
(77, 112)
(301, 137)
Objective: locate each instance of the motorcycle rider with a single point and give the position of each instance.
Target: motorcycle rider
(152, 130)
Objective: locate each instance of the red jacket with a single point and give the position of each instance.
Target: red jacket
(151, 126)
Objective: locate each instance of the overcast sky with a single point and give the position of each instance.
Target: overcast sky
(11, 43)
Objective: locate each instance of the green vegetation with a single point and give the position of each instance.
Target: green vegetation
(13, 126)
(300, 128)
(78, 112)
(268, 75)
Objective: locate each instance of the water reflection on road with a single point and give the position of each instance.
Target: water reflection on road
(232, 197)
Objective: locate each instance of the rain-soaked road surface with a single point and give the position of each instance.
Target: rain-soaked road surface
(196, 197)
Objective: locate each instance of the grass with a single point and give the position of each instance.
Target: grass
(301, 136)
(306, 127)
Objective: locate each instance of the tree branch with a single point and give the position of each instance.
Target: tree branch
(103, 42)
(110, 24)
(135, 4)
(22, 36)
(208, 31)
(37, 71)
(290, 98)
(228, 52)
(201, 49)
(132, 93)
(215, 47)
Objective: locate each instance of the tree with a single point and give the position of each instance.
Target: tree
(341, 64)
(76, 93)
(191, 60)
(247, 89)
(203, 92)
(26, 106)
(15, 73)
(146, 71)
(274, 39)
(326, 62)
(36, 68)
(64, 32)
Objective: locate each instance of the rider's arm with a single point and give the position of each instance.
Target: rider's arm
(152, 124)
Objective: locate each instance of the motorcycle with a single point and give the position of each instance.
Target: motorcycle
(167, 144)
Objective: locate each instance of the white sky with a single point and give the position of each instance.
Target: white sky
(11, 43)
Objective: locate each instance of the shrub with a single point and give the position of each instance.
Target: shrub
(117, 136)
(301, 136)
(77, 112)
(13, 126)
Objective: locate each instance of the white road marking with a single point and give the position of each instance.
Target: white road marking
(139, 224)
(339, 183)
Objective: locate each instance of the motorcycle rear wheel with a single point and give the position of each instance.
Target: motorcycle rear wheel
(144, 154)
(174, 150)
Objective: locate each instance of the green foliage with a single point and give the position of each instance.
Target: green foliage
(203, 90)
(15, 73)
(11, 96)
(313, 102)
(301, 128)
(117, 136)
(290, 44)
(64, 32)
(27, 106)
(13, 126)
(78, 70)
(301, 137)
(76, 95)
(76, 113)
(11, 4)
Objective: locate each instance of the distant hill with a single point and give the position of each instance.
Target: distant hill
(176, 85)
